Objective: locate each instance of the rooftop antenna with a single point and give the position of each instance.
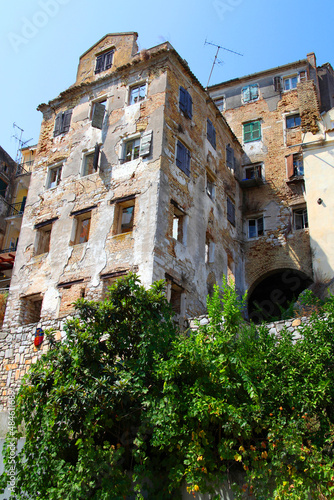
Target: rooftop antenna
(21, 143)
(218, 49)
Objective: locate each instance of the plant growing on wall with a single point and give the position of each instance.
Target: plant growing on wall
(124, 406)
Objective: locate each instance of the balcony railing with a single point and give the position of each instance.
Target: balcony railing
(24, 168)
(16, 208)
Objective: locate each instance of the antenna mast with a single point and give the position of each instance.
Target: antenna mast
(21, 143)
(218, 49)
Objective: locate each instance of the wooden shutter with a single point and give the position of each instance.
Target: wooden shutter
(290, 167)
(211, 133)
(66, 120)
(302, 76)
(145, 143)
(183, 158)
(256, 126)
(245, 94)
(58, 124)
(277, 84)
(229, 157)
(98, 115)
(96, 156)
(189, 106)
(108, 59)
(99, 64)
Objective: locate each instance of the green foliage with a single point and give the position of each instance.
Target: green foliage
(124, 408)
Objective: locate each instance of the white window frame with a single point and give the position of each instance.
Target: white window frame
(289, 78)
(303, 215)
(256, 219)
(210, 192)
(134, 86)
(51, 168)
(124, 145)
(255, 167)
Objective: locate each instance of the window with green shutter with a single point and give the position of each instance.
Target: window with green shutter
(252, 131)
(250, 93)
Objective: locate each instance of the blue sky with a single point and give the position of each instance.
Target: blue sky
(42, 40)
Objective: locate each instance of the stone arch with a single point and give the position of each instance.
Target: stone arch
(274, 291)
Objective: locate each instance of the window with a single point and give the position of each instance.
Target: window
(109, 279)
(137, 93)
(295, 165)
(298, 165)
(252, 131)
(293, 121)
(43, 236)
(124, 215)
(255, 227)
(179, 220)
(54, 176)
(300, 220)
(230, 211)
(3, 188)
(31, 307)
(211, 133)
(209, 250)
(104, 61)
(98, 112)
(185, 103)
(253, 172)
(229, 157)
(175, 296)
(90, 161)
(210, 186)
(220, 103)
(81, 227)
(62, 122)
(290, 82)
(250, 93)
(70, 291)
(183, 158)
(136, 147)
(131, 151)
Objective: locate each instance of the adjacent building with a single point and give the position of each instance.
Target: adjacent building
(273, 113)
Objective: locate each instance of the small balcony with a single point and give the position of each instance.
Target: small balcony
(24, 168)
(254, 181)
(16, 209)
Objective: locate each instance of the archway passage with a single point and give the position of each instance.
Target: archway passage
(274, 292)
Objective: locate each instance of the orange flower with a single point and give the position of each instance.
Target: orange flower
(281, 408)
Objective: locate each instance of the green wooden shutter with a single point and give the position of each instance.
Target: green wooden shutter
(256, 131)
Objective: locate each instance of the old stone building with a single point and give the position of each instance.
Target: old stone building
(134, 170)
(271, 113)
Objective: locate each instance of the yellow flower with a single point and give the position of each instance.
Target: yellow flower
(196, 487)
(242, 449)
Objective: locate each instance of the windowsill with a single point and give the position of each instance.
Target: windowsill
(136, 103)
(295, 178)
(120, 235)
(77, 245)
(254, 140)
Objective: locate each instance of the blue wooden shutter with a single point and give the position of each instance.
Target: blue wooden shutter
(245, 94)
(182, 100)
(189, 106)
(183, 158)
(229, 157)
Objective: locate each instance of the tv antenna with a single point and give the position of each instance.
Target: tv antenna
(20, 141)
(215, 60)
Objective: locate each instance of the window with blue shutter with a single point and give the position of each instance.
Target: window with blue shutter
(229, 157)
(104, 61)
(183, 158)
(211, 133)
(250, 93)
(252, 131)
(185, 103)
(62, 122)
(230, 211)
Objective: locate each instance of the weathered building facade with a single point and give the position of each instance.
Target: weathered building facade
(270, 113)
(134, 170)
